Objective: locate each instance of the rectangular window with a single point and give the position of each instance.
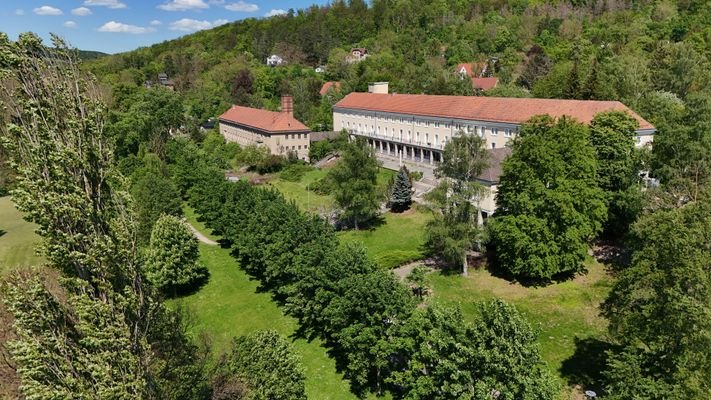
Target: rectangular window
(494, 131)
(436, 124)
(299, 147)
(436, 140)
(507, 133)
(493, 145)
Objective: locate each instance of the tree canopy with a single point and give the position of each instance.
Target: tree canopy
(549, 202)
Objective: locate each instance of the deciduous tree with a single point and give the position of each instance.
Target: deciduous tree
(549, 202)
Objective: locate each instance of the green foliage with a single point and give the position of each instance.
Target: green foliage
(612, 135)
(401, 193)
(172, 260)
(659, 308)
(417, 278)
(454, 230)
(451, 359)
(294, 172)
(266, 362)
(271, 163)
(549, 204)
(154, 194)
(354, 182)
(102, 332)
(319, 150)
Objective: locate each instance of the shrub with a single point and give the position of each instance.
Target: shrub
(294, 172)
(271, 163)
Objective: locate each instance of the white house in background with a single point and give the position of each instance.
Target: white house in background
(274, 60)
(357, 54)
(320, 69)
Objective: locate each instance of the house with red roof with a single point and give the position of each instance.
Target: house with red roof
(476, 72)
(279, 131)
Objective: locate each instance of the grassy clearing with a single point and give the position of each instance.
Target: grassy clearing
(395, 239)
(17, 239)
(230, 305)
(561, 312)
(306, 199)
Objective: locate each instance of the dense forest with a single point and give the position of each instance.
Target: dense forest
(647, 54)
(104, 166)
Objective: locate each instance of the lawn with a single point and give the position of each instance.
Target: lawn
(230, 304)
(394, 239)
(562, 312)
(308, 200)
(17, 238)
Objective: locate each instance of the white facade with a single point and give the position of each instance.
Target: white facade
(274, 60)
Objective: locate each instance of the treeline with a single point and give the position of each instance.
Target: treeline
(381, 340)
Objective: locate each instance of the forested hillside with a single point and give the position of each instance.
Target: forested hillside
(648, 54)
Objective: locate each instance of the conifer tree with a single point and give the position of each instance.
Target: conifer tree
(401, 195)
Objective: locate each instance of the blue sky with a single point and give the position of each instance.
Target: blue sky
(114, 26)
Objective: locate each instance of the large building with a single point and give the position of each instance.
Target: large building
(416, 127)
(280, 132)
(413, 129)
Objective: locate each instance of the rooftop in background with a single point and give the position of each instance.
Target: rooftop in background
(329, 85)
(485, 83)
(264, 120)
(493, 171)
(475, 108)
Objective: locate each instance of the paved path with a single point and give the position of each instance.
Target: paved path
(200, 236)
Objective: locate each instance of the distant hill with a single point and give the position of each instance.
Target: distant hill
(90, 54)
(582, 49)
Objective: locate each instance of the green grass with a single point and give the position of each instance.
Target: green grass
(562, 312)
(306, 199)
(17, 239)
(230, 305)
(394, 240)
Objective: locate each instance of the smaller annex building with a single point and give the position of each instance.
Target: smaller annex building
(279, 131)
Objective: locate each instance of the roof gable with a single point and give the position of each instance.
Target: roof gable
(264, 120)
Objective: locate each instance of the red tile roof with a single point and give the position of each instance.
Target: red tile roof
(476, 108)
(485, 83)
(471, 69)
(329, 85)
(264, 120)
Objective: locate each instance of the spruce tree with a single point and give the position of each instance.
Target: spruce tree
(401, 195)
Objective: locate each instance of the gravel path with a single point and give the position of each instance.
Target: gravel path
(201, 237)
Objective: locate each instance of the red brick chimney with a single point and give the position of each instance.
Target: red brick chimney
(287, 105)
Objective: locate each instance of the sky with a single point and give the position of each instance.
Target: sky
(114, 26)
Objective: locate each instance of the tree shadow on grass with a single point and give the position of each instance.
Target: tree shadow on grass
(498, 271)
(2, 232)
(586, 366)
(192, 288)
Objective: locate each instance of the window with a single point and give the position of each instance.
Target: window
(493, 145)
(299, 147)
(400, 134)
(507, 132)
(436, 124)
(494, 131)
(293, 147)
(427, 137)
(436, 140)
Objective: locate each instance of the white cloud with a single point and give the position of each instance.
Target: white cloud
(47, 10)
(119, 27)
(155, 22)
(242, 6)
(275, 11)
(81, 11)
(192, 25)
(105, 3)
(19, 11)
(183, 5)
(70, 24)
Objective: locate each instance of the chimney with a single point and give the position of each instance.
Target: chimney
(287, 105)
(378, 87)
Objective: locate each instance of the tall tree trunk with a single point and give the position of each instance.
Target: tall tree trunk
(465, 265)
